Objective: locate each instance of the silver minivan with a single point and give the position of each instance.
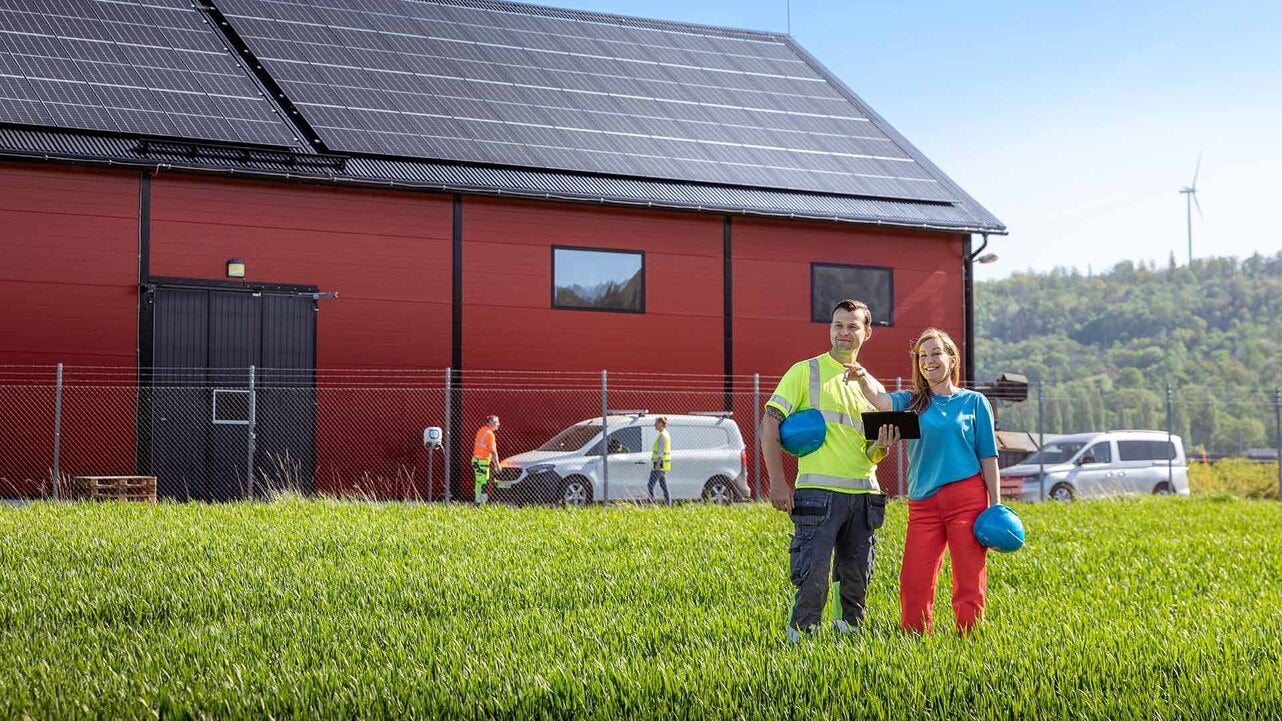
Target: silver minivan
(1110, 463)
(709, 462)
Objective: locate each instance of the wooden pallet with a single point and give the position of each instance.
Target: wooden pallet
(114, 488)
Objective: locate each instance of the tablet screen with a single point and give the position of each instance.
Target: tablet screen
(905, 421)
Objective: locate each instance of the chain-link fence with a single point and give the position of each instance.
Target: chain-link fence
(1208, 422)
(242, 433)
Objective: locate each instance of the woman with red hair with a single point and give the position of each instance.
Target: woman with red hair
(952, 478)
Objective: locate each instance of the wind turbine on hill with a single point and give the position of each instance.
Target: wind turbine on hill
(1190, 199)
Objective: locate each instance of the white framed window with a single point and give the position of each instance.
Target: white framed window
(231, 407)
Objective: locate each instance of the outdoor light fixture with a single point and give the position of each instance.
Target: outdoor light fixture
(986, 258)
(235, 268)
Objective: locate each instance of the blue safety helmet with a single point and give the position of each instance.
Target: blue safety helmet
(803, 432)
(1000, 529)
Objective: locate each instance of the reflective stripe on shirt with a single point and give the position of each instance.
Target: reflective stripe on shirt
(819, 480)
(782, 403)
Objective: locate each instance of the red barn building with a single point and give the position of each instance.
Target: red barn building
(484, 185)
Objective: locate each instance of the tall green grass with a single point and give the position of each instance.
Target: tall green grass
(1153, 608)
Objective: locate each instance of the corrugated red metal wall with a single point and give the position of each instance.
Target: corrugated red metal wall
(68, 287)
(71, 246)
(772, 290)
(508, 321)
(386, 254)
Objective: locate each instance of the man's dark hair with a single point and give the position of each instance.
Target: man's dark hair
(854, 306)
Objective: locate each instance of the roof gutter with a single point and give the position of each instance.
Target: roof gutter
(968, 300)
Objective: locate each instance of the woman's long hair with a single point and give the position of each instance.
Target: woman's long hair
(921, 387)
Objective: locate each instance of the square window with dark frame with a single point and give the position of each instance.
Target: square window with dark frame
(597, 279)
(231, 407)
(831, 283)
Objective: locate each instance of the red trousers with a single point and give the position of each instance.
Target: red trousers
(945, 519)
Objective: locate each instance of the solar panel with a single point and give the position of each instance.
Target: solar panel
(141, 68)
(519, 85)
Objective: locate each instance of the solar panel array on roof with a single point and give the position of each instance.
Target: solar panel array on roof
(519, 85)
(149, 67)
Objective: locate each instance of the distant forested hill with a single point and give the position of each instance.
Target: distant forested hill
(1107, 346)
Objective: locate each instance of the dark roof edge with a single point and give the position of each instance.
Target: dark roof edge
(599, 199)
(890, 130)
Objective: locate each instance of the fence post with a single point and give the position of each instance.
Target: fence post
(1041, 446)
(1170, 462)
(899, 452)
(448, 442)
(57, 434)
(605, 441)
(756, 435)
(253, 419)
(1277, 440)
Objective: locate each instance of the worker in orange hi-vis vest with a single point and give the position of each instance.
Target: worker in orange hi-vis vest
(485, 456)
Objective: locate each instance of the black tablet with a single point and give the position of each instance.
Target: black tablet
(905, 421)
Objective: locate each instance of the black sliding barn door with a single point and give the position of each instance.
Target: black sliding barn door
(196, 417)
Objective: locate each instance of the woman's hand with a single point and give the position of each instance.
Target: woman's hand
(872, 389)
(887, 437)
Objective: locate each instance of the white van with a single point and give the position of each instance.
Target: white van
(1110, 463)
(709, 462)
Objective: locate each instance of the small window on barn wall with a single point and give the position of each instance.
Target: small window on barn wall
(231, 407)
(596, 279)
(830, 284)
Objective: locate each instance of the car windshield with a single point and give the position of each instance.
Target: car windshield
(1053, 453)
(572, 438)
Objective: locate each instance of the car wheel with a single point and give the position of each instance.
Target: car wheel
(719, 490)
(1062, 492)
(576, 491)
(1162, 489)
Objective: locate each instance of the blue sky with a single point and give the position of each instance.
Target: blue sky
(589, 269)
(1075, 123)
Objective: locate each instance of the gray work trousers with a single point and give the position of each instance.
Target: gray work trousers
(830, 524)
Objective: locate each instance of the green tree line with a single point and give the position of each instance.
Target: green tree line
(1107, 347)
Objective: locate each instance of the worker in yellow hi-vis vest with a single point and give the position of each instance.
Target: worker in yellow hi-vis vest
(661, 460)
(485, 457)
(835, 502)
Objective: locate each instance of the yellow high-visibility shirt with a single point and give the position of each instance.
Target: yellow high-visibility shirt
(842, 462)
(661, 456)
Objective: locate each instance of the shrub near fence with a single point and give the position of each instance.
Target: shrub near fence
(1234, 476)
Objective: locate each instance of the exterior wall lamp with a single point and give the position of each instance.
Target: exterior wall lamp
(235, 268)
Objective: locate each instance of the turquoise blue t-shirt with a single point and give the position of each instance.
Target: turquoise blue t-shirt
(956, 431)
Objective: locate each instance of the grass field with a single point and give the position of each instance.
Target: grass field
(1154, 608)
